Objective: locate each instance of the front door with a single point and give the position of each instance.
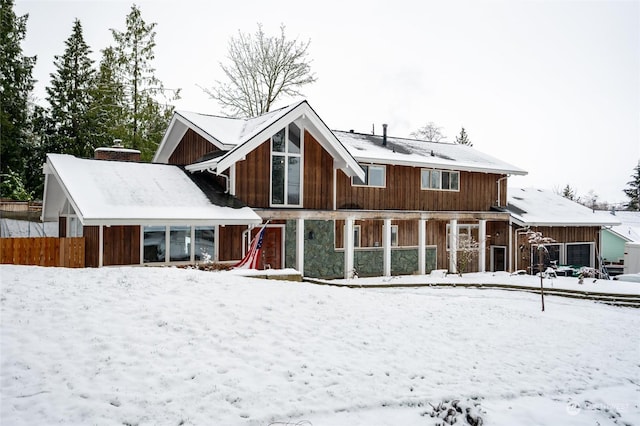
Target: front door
(271, 254)
(498, 258)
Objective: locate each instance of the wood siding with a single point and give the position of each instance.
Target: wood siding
(121, 245)
(230, 242)
(253, 176)
(91, 246)
(478, 192)
(318, 175)
(43, 251)
(190, 149)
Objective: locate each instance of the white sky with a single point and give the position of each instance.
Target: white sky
(552, 87)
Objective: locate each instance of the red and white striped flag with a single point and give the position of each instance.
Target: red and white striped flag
(250, 260)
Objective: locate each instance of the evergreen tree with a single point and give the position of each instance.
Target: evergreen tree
(463, 138)
(633, 191)
(135, 52)
(108, 111)
(69, 96)
(16, 83)
(569, 193)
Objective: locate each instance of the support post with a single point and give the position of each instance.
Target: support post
(386, 244)
(422, 246)
(300, 245)
(482, 255)
(348, 248)
(453, 246)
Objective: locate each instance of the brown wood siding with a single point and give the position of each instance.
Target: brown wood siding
(121, 245)
(566, 234)
(230, 242)
(253, 176)
(91, 236)
(62, 227)
(318, 175)
(478, 192)
(190, 149)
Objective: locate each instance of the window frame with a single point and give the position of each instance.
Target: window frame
(366, 183)
(441, 172)
(286, 155)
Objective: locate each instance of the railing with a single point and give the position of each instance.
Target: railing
(43, 251)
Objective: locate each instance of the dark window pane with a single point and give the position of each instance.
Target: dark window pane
(277, 141)
(579, 254)
(294, 139)
(154, 244)
(435, 179)
(357, 181)
(293, 181)
(180, 243)
(204, 243)
(455, 181)
(424, 177)
(277, 180)
(445, 180)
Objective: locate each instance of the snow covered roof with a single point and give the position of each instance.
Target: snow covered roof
(239, 136)
(417, 153)
(538, 207)
(629, 228)
(129, 193)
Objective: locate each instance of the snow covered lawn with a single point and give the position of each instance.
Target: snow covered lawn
(167, 346)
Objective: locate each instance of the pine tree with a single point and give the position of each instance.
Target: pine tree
(108, 111)
(69, 96)
(633, 191)
(463, 138)
(569, 193)
(135, 52)
(16, 83)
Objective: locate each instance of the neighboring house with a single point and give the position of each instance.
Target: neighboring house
(575, 228)
(617, 240)
(337, 203)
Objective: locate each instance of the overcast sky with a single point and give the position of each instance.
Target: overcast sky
(552, 87)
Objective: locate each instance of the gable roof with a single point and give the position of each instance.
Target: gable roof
(538, 207)
(241, 136)
(128, 193)
(368, 148)
(629, 228)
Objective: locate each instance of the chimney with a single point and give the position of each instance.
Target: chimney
(117, 152)
(384, 135)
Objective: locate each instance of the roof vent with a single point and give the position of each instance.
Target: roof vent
(384, 135)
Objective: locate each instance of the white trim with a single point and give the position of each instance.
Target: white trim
(286, 155)
(100, 246)
(348, 248)
(482, 237)
(335, 187)
(492, 260)
(367, 174)
(141, 244)
(592, 251)
(453, 242)
(424, 169)
(427, 165)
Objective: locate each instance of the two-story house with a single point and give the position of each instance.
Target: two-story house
(337, 203)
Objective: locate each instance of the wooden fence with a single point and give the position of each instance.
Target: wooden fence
(43, 251)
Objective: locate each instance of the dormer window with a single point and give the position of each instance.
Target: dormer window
(286, 167)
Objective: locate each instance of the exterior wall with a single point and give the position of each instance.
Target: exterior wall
(230, 242)
(561, 235)
(478, 192)
(318, 175)
(190, 149)
(253, 177)
(612, 247)
(91, 236)
(121, 245)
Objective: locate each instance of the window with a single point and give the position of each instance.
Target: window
(180, 243)
(154, 243)
(394, 235)
(286, 167)
(356, 236)
(552, 254)
(465, 232)
(579, 254)
(204, 244)
(443, 180)
(374, 175)
(74, 226)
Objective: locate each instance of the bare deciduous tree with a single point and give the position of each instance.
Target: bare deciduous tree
(430, 133)
(261, 68)
(537, 240)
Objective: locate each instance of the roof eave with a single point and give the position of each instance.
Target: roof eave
(452, 166)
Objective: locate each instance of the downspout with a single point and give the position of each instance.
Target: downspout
(498, 183)
(226, 179)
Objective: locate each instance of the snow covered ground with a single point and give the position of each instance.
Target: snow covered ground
(168, 346)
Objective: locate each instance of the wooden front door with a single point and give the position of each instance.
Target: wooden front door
(271, 255)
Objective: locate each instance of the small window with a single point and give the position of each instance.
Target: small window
(204, 243)
(180, 243)
(394, 235)
(154, 244)
(356, 236)
(444, 180)
(374, 175)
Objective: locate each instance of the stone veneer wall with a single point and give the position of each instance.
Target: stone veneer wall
(322, 260)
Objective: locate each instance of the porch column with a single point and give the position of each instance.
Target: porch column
(422, 246)
(100, 246)
(453, 245)
(300, 245)
(232, 179)
(482, 236)
(386, 244)
(348, 248)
